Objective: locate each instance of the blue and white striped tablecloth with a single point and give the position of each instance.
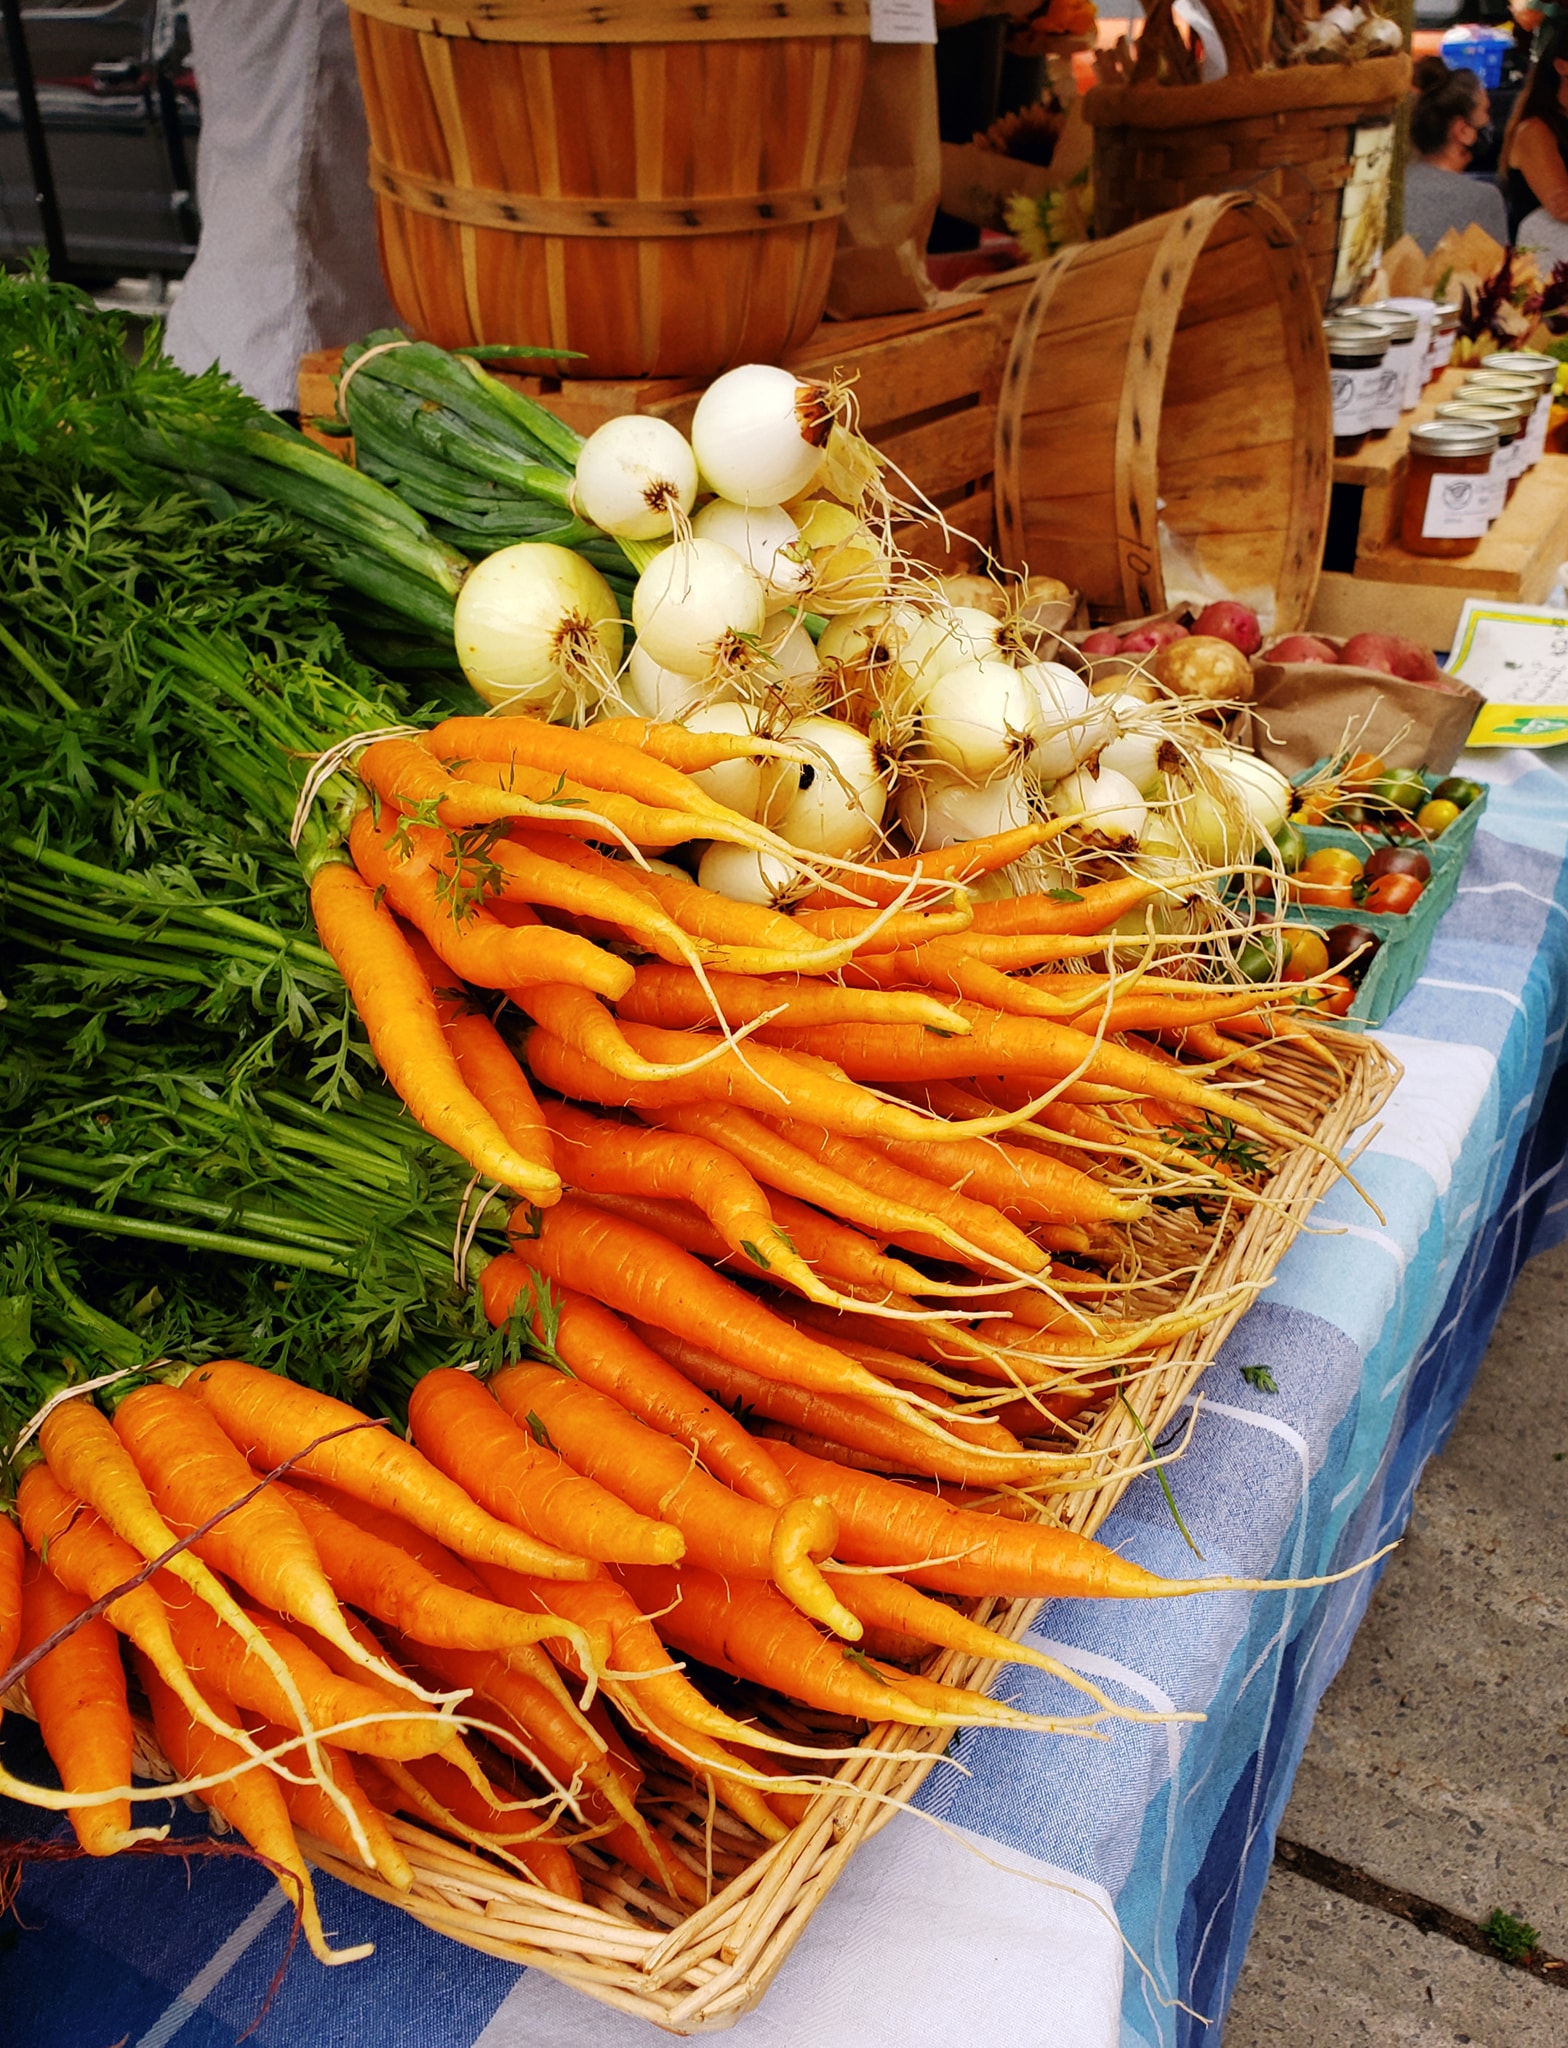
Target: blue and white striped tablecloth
(1046, 1894)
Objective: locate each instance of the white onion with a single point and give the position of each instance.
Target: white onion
(939, 810)
(762, 536)
(648, 691)
(1135, 751)
(633, 474)
(741, 784)
(834, 805)
(746, 876)
(977, 717)
(694, 600)
(1068, 723)
(944, 638)
(1259, 792)
(794, 672)
(537, 629)
(1113, 809)
(758, 434)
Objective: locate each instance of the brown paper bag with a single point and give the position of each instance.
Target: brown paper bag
(895, 174)
(1304, 712)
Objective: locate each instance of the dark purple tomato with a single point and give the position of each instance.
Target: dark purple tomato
(1399, 860)
(1347, 939)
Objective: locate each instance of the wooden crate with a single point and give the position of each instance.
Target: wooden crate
(926, 385)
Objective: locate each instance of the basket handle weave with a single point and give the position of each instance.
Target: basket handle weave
(1162, 55)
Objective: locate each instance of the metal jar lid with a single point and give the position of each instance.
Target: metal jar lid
(1522, 359)
(1446, 319)
(1399, 326)
(1502, 418)
(1525, 381)
(1355, 343)
(1454, 437)
(1510, 398)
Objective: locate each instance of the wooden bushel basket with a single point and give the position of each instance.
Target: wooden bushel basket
(1165, 429)
(1289, 134)
(655, 184)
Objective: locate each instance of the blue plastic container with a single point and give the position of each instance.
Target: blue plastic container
(1472, 47)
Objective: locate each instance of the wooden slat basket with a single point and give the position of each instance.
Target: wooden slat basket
(1165, 430)
(655, 184)
(1317, 139)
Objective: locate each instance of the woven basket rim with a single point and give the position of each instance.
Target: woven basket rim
(1371, 84)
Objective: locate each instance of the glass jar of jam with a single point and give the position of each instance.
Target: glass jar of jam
(1403, 359)
(1356, 355)
(1504, 423)
(1445, 326)
(1523, 364)
(1448, 488)
(1425, 311)
(1491, 387)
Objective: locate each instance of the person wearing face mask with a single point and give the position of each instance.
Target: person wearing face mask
(1448, 120)
(1535, 155)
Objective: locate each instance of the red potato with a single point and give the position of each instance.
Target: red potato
(1417, 664)
(1101, 641)
(1226, 619)
(1302, 647)
(1371, 650)
(1148, 639)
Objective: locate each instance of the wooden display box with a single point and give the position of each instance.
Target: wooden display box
(1393, 590)
(925, 384)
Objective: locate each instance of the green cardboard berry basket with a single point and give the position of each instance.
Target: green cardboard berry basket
(1403, 941)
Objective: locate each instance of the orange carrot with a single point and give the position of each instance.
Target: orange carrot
(903, 928)
(484, 1060)
(721, 1529)
(593, 756)
(474, 944)
(398, 1009)
(747, 1630)
(714, 919)
(601, 1351)
(638, 1274)
(404, 1727)
(673, 998)
(78, 1695)
(895, 1527)
(90, 1560)
(891, 1054)
(958, 1223)
(690, 752)
(580, 1020)
(997, 1457)
(1017, 1182)
(1095, 909)
(192, 1469)
(464, 1430)
(959, 863)
(251, 1801)
(13, 1554)
(310, 1808)
(271, 1419)
(760, 1078)
(602, 1157)
(561, 804)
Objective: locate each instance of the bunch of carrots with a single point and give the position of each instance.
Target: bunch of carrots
(820, 1222)
(480, 1634)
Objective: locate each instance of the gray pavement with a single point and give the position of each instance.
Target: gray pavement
(1439, 1761)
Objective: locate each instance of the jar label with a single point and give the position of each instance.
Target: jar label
(1390, 392)
(1457, 507)
(1354, 393)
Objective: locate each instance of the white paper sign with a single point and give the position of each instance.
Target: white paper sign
(903, 21)
(1516, 655)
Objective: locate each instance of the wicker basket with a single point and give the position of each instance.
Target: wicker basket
(1168, 390)
(653, 183)
(697, 1971)
(1314, 138)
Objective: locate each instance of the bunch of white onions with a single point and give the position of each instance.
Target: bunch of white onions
(636, 477)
